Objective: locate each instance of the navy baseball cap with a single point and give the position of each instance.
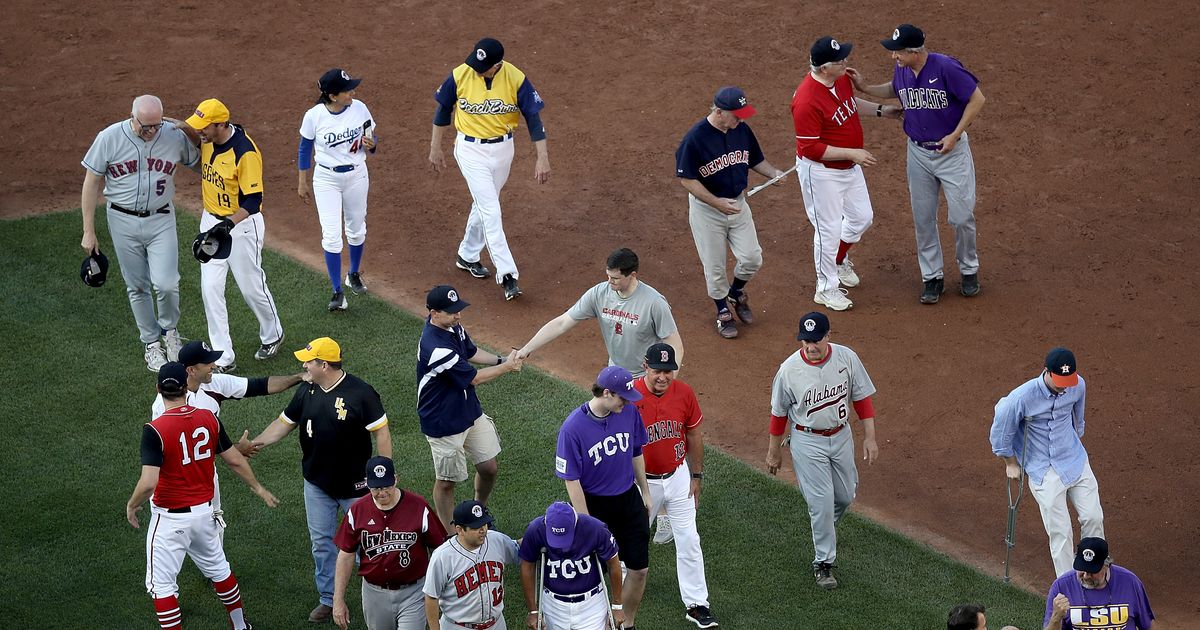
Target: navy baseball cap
(560, 525)
(445, 298)
(828, 49)
(813, 327)
(487, 53)
(1090, 555)
(472, 514)
(619, 381)
(661, 356)
(337, 81)
(733, 100)
(905, 36)
(94, 270)
(381, 472)
(172, 378)
(197, 352)
(1060, 363)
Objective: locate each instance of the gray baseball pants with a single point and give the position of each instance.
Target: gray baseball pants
(828, 479)
(147, 249)
(954, 173)
(400, 609)
(713, 231)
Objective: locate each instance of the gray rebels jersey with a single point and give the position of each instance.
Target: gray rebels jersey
(469, 585)
(819, 396)
(629, 325)
(139, 175)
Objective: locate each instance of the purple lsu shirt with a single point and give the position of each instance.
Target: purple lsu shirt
(599, 452)
(1122, 605)
(575, 570)
(933, 99)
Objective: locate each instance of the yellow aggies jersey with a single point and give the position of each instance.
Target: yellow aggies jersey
(230, 172)
(483, 112)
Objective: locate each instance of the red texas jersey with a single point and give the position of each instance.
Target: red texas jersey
(668, 419)
(826, 117)
(182, 443)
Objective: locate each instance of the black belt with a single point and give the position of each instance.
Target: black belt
(488, 140)
(934, 145)
(395, 586)
(575, 599)
(163, 210)
(183, 510)
(656, 477)
(344, 168)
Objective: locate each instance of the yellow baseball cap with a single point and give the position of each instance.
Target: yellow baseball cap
(324, 349)
(210, 111)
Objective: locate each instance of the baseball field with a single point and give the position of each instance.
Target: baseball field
(1086, 195)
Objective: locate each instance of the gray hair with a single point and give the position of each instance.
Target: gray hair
(821, 67)
(918, 49)
(146, 103)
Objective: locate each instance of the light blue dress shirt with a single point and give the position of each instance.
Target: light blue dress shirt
(1054, 423)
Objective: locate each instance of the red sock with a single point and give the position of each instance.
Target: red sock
(843, 249)
(167, 608)
(231, 596)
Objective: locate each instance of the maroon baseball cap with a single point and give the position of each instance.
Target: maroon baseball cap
(733, 100)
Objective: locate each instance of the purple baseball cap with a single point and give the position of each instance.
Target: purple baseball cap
(560, 525)
(619, 381)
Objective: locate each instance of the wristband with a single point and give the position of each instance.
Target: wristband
(879, 110)
(697, 475)
(499, 359)
(616, 607)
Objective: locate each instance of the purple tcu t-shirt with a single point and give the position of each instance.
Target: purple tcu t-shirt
(599, 452)
(1122, 605)
(576, 569)
(934, 99)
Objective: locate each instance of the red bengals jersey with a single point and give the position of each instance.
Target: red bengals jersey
(668, 418)
(183, 443)
(393, 547)
(826, 117)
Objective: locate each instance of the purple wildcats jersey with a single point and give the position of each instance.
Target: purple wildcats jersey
(934, 99)
(1122, 605)
(599, 452)
(575, 570)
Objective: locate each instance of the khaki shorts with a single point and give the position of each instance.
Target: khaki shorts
(480, 442)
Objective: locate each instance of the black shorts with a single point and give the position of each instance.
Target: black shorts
(625, 515)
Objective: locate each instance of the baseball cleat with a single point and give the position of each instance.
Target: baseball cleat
(225, 369)
(156, 356)
(662, 530)
(846, 274)
(511, 290)
(174, 343)
(741, 307)
(474, 268)
(834, 299)
(321, 614)
(338, 301)
(933, 291)
(725, 326)
(970, 285)
(268, 350)
(701, 616)
(354, 281)
(824, 574)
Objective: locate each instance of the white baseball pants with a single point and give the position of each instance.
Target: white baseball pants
(169, 537)
(839, 209)
(828, 479)
(485, 167)
(245, 259)
(589, 614)
(1052, 497)
(341, 200)
(681, 509)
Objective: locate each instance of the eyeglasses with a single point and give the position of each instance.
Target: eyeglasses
(146, 127)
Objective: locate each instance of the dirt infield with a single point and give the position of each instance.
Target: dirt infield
(1087, 187)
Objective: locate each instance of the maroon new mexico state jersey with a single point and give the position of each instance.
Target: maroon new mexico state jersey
(394, 545)
(182, 443)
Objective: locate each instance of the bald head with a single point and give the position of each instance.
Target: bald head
(147, 107)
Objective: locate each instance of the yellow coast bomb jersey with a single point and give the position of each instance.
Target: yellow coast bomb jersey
(232, 174)
(486, 108)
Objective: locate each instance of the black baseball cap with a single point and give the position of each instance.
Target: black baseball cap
(197, 352)
(445, 298)
(472, 514)
(172, 378)
(337, 81)
(661, 356)
(94, 270)
(1060, 363)
(828, 49)
(813, 327)
(905, 36)
(486, 53)
(381, 472)
(1090, 555)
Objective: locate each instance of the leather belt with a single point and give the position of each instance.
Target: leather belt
(477, 626)
(395, 586)
(666, 476)
(932, 146)
(344, 168)
(495, 140)
(821, 432)
(185, 510)
(575, 599)
(163, 210)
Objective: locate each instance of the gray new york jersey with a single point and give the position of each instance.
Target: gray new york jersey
(139, 175)
(819, 396)
(469, 585)
(629, 325)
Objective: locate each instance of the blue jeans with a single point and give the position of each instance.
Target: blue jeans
(322, 512)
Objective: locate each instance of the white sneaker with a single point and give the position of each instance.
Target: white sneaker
(662, 530)
(835, 299)
(846, 274)
(156, 356)
(174, 343)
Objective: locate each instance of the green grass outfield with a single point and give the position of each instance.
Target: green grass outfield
(76, 393)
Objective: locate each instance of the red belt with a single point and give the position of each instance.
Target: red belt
(822, 432)
(477, 626)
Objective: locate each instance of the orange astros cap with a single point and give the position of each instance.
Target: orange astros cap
(1060, 363)
(208, 112)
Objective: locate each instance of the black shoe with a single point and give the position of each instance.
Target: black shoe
(933, 291)
(268, 350)
(741, 306)
(338, 301)
(511, 290)
(824, 574)
(970, 285)
(474, 268)
(354, 281)
(701, 616)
